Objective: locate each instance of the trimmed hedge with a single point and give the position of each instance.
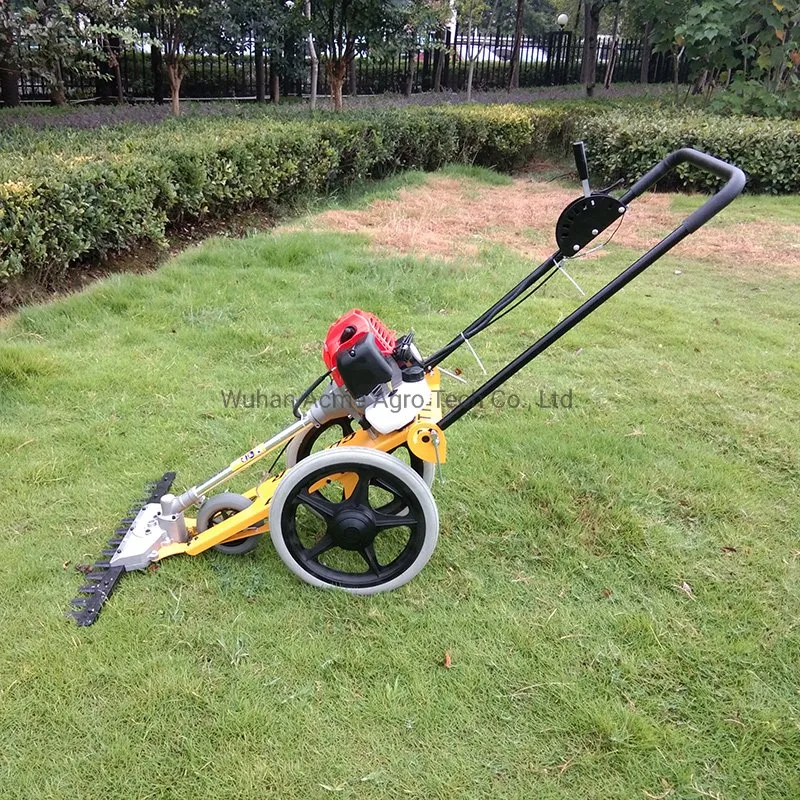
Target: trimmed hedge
(625, 144)
(68, 199)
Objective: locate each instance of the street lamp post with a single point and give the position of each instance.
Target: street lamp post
(562, 52)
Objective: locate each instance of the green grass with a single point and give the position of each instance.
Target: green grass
(583, 665)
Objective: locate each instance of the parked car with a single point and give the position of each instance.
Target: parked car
(527, 54)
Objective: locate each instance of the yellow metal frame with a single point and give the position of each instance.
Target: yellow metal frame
(424, 438)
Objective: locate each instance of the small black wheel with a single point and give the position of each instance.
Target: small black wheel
(219, 508)
(353, 543)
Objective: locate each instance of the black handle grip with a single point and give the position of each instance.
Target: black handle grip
(579, 151)
(736, 181)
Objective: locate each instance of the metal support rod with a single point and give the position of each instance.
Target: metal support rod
(477, 325)
(256, 454)
(556, 332)
(194, 495)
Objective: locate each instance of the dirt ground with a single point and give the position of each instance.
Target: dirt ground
(450, 217)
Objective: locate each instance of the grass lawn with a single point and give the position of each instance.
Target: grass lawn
(616, 585)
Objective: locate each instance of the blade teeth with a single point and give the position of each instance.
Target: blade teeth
(102, 578)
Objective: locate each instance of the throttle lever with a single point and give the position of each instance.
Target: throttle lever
(579, 151)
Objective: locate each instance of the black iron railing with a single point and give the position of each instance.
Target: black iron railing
(230, 70)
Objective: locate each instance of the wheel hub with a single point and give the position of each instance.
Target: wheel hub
(353, 528)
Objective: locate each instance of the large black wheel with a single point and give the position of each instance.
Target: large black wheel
(356, 542)
(219, 508)
(315, 440)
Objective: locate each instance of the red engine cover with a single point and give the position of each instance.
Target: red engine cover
(347, 330)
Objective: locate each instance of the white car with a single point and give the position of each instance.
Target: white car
(485, 51)
(527, 55)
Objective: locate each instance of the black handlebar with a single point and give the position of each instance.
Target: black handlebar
(579, 151)
(736, 180)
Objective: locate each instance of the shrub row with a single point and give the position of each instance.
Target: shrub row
(68, 197)
(625, 144)
(111, 189)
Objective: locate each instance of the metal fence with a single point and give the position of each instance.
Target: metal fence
(230, 70)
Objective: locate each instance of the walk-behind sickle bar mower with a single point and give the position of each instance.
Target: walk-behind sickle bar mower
(359, 515)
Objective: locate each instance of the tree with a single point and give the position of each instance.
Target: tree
(59, 38)
(339, 24)
(655, 21)
(417, 19)
(470, 15)
(312, 54)
(757, 40)
(107, 31)
(55, 41)
(519, 20)
(176, 25)
(591, 26)
(269, 22)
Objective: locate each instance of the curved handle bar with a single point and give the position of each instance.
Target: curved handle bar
(729, 192)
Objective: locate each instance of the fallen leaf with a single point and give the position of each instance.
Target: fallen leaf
(448, 661)
(606, 592)
(728, 548)
(667, 791)
(66, 564)
(686, 589)
(635, 432)
(562, 768)
(84, 568)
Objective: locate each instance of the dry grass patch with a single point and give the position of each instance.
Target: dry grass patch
(454, 217)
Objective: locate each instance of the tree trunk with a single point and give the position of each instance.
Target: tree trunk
(58, 91)
(118, 81)
(612, 61)
(470, 73)
(312, 54)
(261, 73)
(676, 66)
(312, 100)
(175, 77)
(411, 72)
(110, 72)
(274, 79)
(115, 48)
(647, 53)
(337, 70)
(9, 70)
(513, 78)
(591, 24)
(438, 64)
